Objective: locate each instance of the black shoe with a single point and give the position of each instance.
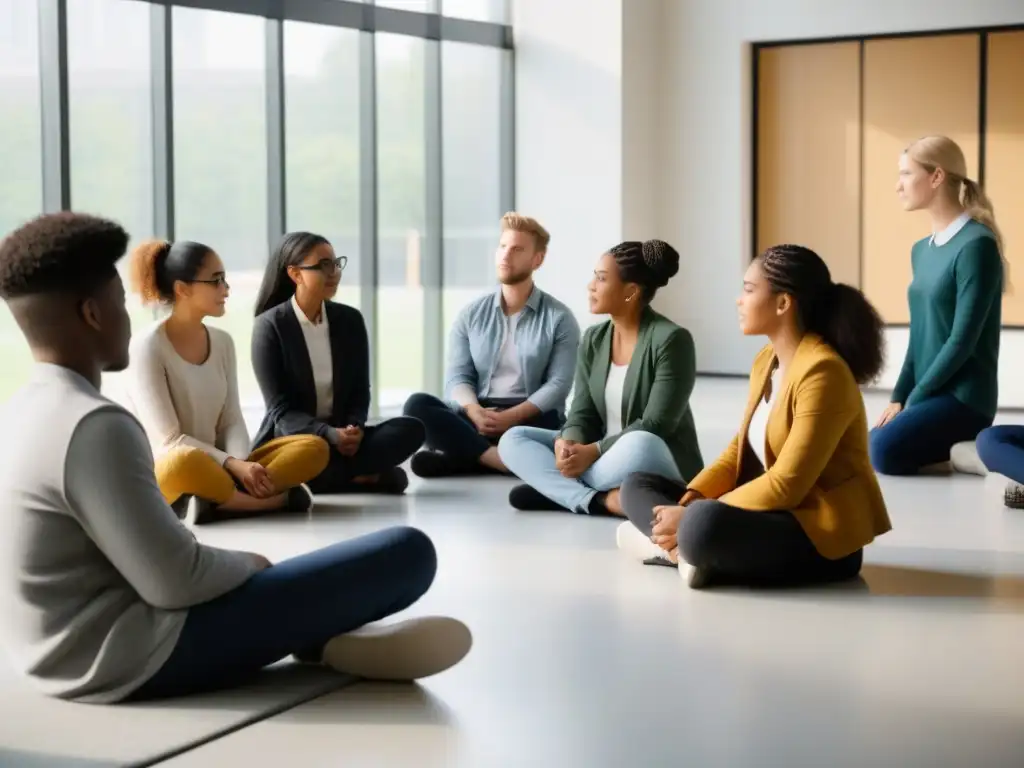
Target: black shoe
(299, 499)
(390, 482)
(525, 498)
(180, 507)
(203, 511)
(431, 464)
(435, 464)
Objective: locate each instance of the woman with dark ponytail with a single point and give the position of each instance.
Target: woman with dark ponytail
(311, 357)
(183, 387)
(793, 499)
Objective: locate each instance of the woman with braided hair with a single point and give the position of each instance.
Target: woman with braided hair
(631, 404)
(793, 499)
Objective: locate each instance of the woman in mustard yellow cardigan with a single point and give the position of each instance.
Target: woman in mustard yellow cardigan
(793, 499)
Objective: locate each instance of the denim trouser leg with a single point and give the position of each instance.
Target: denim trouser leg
(529, 453)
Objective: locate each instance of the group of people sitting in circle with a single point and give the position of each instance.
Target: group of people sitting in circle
(107, 596)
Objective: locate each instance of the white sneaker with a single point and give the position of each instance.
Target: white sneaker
(964, 458)
(406, 650)
(633, 543)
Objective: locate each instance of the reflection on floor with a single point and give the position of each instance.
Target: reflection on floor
(585, 659)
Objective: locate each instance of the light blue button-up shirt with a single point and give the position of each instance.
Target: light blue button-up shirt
(547, 337)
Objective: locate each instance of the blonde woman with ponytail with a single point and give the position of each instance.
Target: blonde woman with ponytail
(183, 387)
(947, 389)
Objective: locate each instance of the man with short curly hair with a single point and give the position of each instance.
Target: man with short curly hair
(104, 594)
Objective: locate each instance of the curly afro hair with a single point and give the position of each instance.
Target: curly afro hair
(60, 253)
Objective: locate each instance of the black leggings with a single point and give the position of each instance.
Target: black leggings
(737, 545)
(384, 446)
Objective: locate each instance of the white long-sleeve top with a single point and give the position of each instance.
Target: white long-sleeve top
(183, 404)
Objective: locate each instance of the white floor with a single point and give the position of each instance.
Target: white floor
(585, 659)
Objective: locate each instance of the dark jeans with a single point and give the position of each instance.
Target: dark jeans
(1001, 450)
(454, 434)
(295, 607)
(384, 446)
(923, 434)
(737, 545)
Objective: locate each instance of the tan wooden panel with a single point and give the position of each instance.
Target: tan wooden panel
(912, 87)
(808, 178)
(1004, 157)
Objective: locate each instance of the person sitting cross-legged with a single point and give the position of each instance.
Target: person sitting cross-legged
(631, 407)
(105, 596)
(512, 353)
(182, 385)
(793, 498)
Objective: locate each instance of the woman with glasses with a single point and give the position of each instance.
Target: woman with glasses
(312, 361)
(183, 387)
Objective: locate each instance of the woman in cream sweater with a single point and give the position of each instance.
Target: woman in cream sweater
(183, 387)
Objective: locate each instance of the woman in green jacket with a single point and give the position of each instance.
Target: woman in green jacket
(631, 403)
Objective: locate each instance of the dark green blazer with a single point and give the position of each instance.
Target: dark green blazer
(656, 394)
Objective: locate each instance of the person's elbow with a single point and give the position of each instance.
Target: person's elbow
(169, 594)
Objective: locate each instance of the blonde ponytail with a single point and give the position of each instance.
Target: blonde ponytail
(979, 207)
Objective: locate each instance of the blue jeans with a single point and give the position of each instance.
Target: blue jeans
(295, 607)
(529, 453)
(923, 434)
(1001, 450)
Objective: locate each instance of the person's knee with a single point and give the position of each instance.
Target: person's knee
(639, 444)
(191, 471)
(885, 452)
(313, 453)
(417, 554)
(509, 442)
(988, 445)
(700, 532)
(418, 404)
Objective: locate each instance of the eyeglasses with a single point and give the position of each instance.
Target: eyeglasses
(327, 266)
(217, 281)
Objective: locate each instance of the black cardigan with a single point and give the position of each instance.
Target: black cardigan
(285, 374)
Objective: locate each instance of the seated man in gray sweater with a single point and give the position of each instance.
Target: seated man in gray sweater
(104, 594)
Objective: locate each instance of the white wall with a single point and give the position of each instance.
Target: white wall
(705, 161)
(569, 134)
(634, 121)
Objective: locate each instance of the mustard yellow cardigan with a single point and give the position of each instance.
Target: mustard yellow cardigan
(816, 452)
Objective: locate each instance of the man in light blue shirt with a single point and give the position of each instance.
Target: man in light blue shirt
(511, 362)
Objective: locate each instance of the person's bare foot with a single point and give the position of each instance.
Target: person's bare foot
(613, 503)
(492, 460)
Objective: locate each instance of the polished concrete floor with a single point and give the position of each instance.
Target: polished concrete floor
(583, 658)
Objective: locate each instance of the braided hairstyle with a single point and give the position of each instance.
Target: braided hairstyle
(839, 313)
(650, 264)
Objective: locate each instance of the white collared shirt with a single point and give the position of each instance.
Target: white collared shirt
(318, 345)
(943, 237)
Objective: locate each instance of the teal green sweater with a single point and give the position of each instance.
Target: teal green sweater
(955, 317)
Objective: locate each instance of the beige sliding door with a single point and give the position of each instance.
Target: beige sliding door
(808, 153)
(1004, 157)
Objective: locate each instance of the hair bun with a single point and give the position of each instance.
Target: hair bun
(661, 259)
